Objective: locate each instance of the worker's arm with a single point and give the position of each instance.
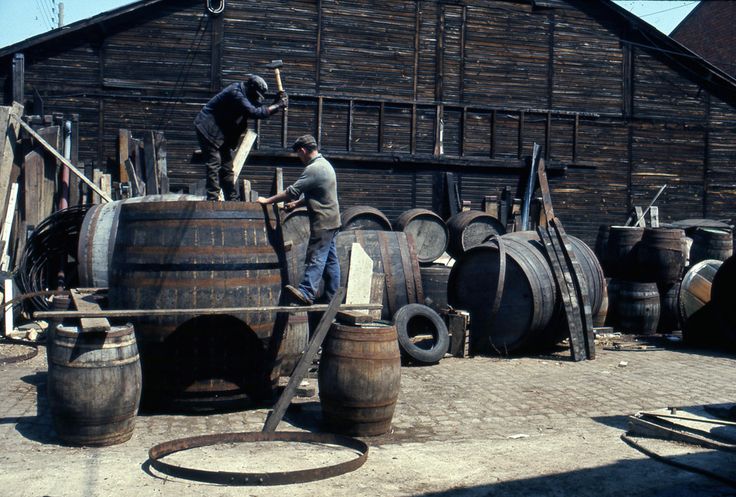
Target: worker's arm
(295, 204)
(279, 197)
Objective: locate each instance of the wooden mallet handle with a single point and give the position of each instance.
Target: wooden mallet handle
(277, 74)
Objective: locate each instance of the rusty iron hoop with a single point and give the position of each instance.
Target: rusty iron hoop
(20, 357)
(157, 452)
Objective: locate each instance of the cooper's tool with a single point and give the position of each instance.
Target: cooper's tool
(275, 65)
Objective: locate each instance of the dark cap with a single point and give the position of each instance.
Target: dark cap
(306, 141)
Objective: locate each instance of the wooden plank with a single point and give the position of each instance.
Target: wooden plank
(123, 154)
(654, 216)
(279, 409)
(61, 158)
(353, 318)
(126, 313)
(87, 302)
(149, 154)
(8, 227)
(97, 178)
(136, 184)
(245, 190)
(33, 166)
(162, 168)
(278, 184)
(457, 326)
(8, 141)
(246, 144)
(378, 282)
(8, 298)
(360, 275)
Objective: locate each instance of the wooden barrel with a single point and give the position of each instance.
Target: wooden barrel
(591, 268)
(526, 307)
(364, 217)
(429, 231)
(636, 307)
(200, 255)
(359, 378)
(661, 255)
(295, 226)
(620, 255)
(601, 245)
(434, 285)
(94, 385)
(470, 228)
(710, 243)
(393, 255)
(669, 315)
(695, 290)
(97, 237)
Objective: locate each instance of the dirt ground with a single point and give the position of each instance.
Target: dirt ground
(477, 426)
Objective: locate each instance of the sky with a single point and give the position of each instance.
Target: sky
(21, 19)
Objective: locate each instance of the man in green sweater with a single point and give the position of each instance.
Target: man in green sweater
(317, 189)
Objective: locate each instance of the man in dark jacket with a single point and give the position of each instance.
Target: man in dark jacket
(220, 124)
(317, 189)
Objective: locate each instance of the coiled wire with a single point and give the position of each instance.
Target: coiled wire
(51, 247)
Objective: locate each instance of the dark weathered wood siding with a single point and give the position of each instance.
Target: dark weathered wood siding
(373, 80)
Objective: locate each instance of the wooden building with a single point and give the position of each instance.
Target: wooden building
(708, 31)
(400, 91)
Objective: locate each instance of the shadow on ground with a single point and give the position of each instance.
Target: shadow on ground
(631, 478)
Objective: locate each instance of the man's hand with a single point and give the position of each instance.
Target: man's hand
(282, 99)
(290, 206)
(262, 200)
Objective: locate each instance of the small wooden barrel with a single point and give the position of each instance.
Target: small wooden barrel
(434, 285)
(359, 378)
(695, 290)
(620, 255)
(294, 342)
(469, 229)
(636, 307)
(429, 231)
(669, 316)
(94, 385)
(710, 243)
(364, 217)
(661, 255)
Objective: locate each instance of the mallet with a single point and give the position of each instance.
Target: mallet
(275, 65)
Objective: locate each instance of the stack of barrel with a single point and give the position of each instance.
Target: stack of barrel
(645, 266)
(706, 291)
(651, 285)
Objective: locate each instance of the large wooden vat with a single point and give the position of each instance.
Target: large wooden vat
(393, 255)
(428, 230)
(200, 255)
(97, 237)
(359, 378)
(94, 385)
(528, 302)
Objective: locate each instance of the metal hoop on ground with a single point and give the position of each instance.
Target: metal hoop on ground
(164, 449)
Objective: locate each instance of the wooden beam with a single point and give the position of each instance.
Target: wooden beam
(9, 116)
(279, 409)
(62, 159)
(246, 145)
(87, 302)
(149, 151)
(8, 227)
(130, 313)
(123, 153)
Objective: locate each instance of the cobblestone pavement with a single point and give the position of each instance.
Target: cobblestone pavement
(477, 426)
